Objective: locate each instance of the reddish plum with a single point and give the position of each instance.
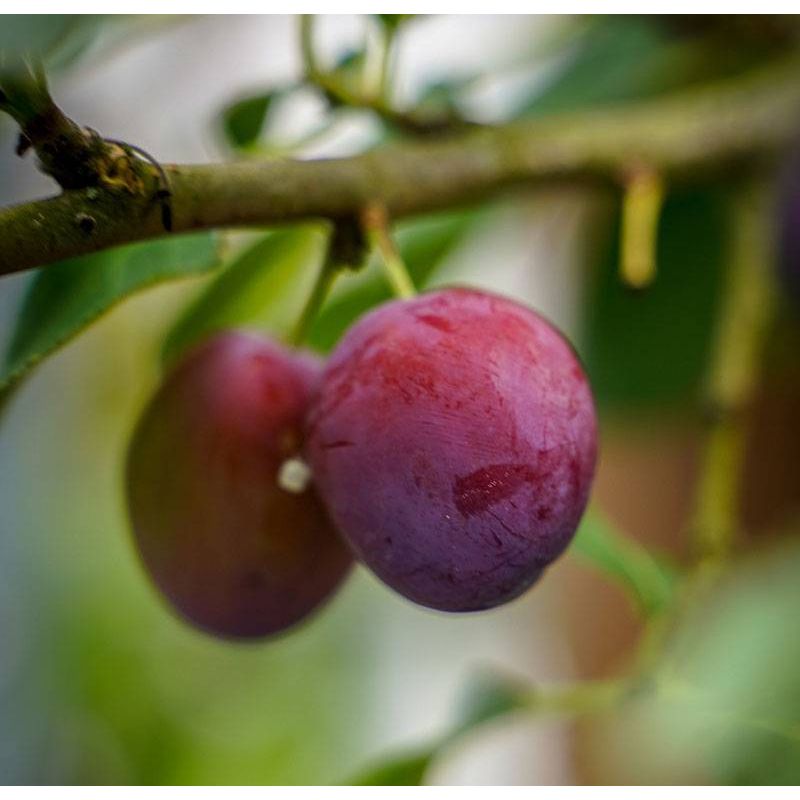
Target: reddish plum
(233, 552)
(453, 440)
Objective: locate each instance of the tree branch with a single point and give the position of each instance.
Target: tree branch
(74, 156)
(682, 135)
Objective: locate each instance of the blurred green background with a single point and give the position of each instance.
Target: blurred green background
(99, 683)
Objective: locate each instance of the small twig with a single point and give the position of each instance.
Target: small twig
(383, 82)
(347, 249)
(641, 210)
(589, 697)
(377, 102)
(328, 271)
(376, 228)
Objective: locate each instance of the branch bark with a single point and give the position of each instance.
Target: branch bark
(682, 136)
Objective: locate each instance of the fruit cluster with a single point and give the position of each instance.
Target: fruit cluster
(451, 442)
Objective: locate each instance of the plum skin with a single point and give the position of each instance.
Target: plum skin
(453, 440)
(233, 553)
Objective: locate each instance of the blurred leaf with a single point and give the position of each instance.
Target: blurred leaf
(649, 582)
(393, 21)
(57, 39)
(254, 290)
(254, 123)
(423, 245)
(728, 705)
(611, 62)
(486, 697)
(35, 35)
(244, 120)
(624, 58)
(406, 770)
(442, 97)
(348, 70)
(64, 298)
(350, 61)
(650, 349)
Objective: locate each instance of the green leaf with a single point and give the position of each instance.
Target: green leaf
(244, 120)
(404, 770)
(66, 297)
(729, 704)
(442, 97)
(487, 696)
(263, 288)
(619, 59)
(252, 124)
(393, 21)
(37, 35)
(349, 61)
(648, 581)
(423, 245)
(612, 62)
(650, 349)
(60, 40)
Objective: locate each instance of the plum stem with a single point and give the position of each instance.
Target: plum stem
(322, 285)
(375, 221)
(347, 249)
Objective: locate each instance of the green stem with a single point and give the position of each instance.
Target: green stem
(733, 372)
(319, 292)
(588, 697)
(307, 46)
(374, 99)
(384, 81)
(648, 582)
(376, 229)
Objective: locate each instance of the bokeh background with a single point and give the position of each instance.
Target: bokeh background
(99, 683)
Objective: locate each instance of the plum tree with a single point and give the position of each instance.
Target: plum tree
(234, 553)
(453, 439)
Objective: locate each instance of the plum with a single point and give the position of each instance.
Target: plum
(233, 552)
(453, 440)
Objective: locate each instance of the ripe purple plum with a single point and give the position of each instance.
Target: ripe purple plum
(233, 552)
(453, 440)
